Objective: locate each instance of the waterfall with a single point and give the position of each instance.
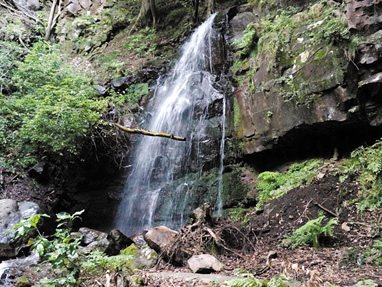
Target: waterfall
(159, 187)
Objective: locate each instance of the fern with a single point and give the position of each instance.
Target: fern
(245, 282)
(310, 232)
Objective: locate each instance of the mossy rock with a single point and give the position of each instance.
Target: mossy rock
(23, 282)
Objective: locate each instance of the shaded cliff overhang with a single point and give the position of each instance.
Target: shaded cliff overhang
(301, 95)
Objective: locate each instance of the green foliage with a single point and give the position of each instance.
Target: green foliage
(275, 184)
(247, 282)
(310, 232)
(10, 53)
(98, 261)
(367, 283)
(251, 281)
(267, 183)
(53, 112)
(60, 250)
(111, 67)
(366, 164)
(238, 214)
(247, 43)
(142, 42)
(128, 98)
(26, 228)
(371, 255)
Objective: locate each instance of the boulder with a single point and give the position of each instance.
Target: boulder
(90, 235)
(100, 245)
(144, 257)
(204, 263)
(238, 24)
(363, 15)
(161, 238)
(11, 213)
(9, 216)
(118, 241)
(33, 5)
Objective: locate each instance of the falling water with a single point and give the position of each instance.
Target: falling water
(158, 189)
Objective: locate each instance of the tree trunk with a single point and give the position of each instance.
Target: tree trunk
(211, 7)
(147, 15)
(196, 11)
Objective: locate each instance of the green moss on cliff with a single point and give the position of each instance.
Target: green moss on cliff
(292, 45)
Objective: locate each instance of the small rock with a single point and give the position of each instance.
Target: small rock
(138, 239)
(23, 282)
(345, 227)
(204, 263)
(272, 255)
(85, 4)
(286, 242)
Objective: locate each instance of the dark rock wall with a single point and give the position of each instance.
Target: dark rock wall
(312, 95)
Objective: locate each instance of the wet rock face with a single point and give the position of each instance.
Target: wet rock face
(315, 88)
(363, 15)
(11, 212)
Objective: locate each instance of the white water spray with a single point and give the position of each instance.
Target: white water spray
(158, 189)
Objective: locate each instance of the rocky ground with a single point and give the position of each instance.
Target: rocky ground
(341, 259)
(256, 240)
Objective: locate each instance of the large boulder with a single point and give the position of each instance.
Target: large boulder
(9, 216)
(33, 5)
(11, 213)
(204, 263)
(161, 238)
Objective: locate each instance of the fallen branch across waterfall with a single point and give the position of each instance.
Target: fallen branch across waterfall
(148, 133)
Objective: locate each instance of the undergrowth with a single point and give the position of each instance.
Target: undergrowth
(367, 255)
(55, 111)
(52, 113)
(311, 231)
(365, 164)
(249, 280)
(275, 184)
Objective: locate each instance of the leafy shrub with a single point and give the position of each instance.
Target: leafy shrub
(310, 232)
(60, 249)
(53, 112)
(247, 43)
(10, 53)
(365, 163)
(366, 283)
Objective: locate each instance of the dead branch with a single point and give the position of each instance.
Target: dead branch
(50, 21)
(149, 133)
(325, 209)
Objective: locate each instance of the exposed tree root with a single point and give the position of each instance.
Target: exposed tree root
(221, 237)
